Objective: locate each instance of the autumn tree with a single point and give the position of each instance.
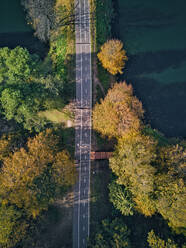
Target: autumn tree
(29, 177)
(112, 233)
(154, 175)
(171, 188)
(132, 162)
(119, 112)
(156, 242)
(113, 56)
(4, 147)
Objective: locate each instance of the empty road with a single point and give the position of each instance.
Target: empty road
(81, 214)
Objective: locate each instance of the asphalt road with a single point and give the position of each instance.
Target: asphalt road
(83, 124)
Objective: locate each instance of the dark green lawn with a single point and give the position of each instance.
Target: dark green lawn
(154, 35)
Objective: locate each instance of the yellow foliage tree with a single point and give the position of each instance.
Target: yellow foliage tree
(4, 147)
(119, 112)
(28, 176)
(132, 163)
(171, 190)
(64, 171)
(113, 56)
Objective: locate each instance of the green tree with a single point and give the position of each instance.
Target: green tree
(16, 64)
(10, 100)
(23, 104)
(113, 234)
(156, 242)
(12, 226)
(119, 112)
(121, 198)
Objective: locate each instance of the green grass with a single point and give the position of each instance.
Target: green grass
(156, 67)
(58, 47)
(101, 32)
(56, 116)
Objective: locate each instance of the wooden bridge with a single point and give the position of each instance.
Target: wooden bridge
(100, 155)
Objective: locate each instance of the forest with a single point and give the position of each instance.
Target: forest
(36, 147)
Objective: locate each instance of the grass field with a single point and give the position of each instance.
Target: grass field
(154, 36)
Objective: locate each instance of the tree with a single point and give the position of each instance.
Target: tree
(171, 188)
(132, 162)
(23, 104)
(112, 56)
(41, 16)
(4, 147)
(63, 169)
(112, 234)
(16, 64)
(29, 177)
(119, 112)
(12, 226)
(156, 242)
(121, 198)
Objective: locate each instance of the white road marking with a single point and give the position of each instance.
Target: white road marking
(83, 49)
(83, 228)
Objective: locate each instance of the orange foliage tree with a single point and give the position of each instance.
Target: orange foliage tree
(119, 112)
(29, 177)
(113, 56)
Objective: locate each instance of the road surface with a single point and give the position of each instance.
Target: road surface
(81, 214)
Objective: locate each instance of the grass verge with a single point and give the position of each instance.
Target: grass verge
(102, 13)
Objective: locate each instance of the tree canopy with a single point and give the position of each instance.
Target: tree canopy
(12, 226)
(26, 90)
(113, 56)
(112, 233)
(156, 242)
(132, 163)
(171, 188)
(16, 64)
(154, 175)
(121, 198)
(29, 177)
(119, 112)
